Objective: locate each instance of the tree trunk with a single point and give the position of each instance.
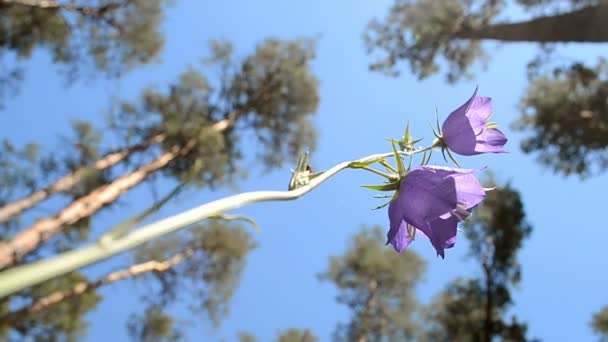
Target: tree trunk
(588, 24)
(14, 317)
(31, 238)
(489, 315)
(67, 182)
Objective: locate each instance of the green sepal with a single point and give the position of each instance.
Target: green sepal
(426, 158)
(399, 161)
(388, 166)
(382, 206)
(384, 187)
(389, 202)
(437, 119)
(453, 159)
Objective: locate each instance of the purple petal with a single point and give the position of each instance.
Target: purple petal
(491, 140)
(443, 234)
(401, 240)
(458, 134)
(480, 108)
(395, 217)
(467, 187)
(425, 195)
(469, 190)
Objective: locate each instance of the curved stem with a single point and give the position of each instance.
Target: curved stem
(21, 277)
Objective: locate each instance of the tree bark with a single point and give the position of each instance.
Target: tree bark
(67, 182)
(489, 310)
(52, 299)
(53, 4)
(32, 237)
(588, 24)
(99, 13)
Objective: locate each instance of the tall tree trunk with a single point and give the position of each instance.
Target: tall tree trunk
(32, 237)
(489, 310)
(67, 182)
(588, 24)
(14, 317)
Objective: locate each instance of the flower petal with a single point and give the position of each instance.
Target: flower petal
(491, 140)
(443, 234)
(467, 187)
(480, 108)
(458, 134)
(401, 240)
(425, 195)
(395, 217)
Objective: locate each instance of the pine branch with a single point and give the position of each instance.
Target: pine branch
(47, 302)
(87, 11)
(67, 182)
(42, 230)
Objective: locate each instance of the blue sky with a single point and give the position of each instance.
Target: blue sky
(563, 262)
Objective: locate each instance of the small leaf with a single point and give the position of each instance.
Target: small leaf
(384, 187)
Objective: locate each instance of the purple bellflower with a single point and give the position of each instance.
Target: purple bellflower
(431, 201)
(467, 130)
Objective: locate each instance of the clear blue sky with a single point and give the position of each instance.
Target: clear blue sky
(564, 264)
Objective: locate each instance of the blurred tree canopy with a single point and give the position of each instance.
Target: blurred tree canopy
(474, 309)
(600, 324)
(287, 335)
(106, 36)
(564, 109)
(377, 285)
(193, 134)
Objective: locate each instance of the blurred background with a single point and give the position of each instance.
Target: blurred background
(114, 108)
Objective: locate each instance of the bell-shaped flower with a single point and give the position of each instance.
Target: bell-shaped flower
(467, 130)
(431, 201)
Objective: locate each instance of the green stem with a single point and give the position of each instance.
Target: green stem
(22, 277)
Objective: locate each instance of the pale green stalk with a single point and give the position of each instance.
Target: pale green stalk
(21, 277)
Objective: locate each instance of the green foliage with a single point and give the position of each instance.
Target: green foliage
(427, 34)
(377, 285)
(247, 337)
(420, 32)
(65, 322)
(600, 324)
(22, 169)
(566, 117)
(473, 309)
(270, 94)
(207, 279)
(296, 335)
(112, 36)
(153, 326)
